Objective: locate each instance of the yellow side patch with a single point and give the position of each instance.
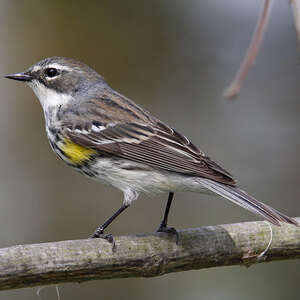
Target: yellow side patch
(77, 154)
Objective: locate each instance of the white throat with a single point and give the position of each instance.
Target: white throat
(48, 97)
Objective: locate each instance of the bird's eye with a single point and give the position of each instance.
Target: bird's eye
(51, 72)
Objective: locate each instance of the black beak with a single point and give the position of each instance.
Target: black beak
(19, 76)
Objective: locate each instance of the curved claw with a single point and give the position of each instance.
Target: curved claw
(171, 230)
(106, 236)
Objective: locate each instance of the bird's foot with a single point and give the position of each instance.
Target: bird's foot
(99, 234)
(172, 230)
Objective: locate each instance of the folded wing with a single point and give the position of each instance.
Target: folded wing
(155, 145)
(159, 146)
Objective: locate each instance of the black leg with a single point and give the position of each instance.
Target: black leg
(163, 225)
(99, 232)
(164, 222)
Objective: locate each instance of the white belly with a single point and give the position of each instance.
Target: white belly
(126, 174)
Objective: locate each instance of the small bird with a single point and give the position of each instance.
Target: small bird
(108, 137)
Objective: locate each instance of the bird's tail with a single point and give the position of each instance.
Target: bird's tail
(241, 198)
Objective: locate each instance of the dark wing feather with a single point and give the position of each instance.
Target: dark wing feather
(155, 145)
(146, 140)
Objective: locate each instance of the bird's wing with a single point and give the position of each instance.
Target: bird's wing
(146, 140)
(156, 145)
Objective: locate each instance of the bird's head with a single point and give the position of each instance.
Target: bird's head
(56, 80)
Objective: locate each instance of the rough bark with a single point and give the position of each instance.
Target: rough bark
(147, 255)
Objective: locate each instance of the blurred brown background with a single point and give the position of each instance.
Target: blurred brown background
(174, 58)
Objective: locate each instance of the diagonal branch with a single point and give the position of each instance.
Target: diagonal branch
(296, 13)
(147, 255)
(234, 88)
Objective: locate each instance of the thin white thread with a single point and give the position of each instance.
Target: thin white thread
(38, 292)
(57, 292)
(270, 242)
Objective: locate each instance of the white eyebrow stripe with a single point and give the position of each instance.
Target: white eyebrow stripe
(53, 65)
(36, 68)
(59, 67)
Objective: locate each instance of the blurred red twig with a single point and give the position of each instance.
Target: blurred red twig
(296, 12)
(262, 21)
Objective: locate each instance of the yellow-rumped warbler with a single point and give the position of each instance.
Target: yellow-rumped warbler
(106, 136)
